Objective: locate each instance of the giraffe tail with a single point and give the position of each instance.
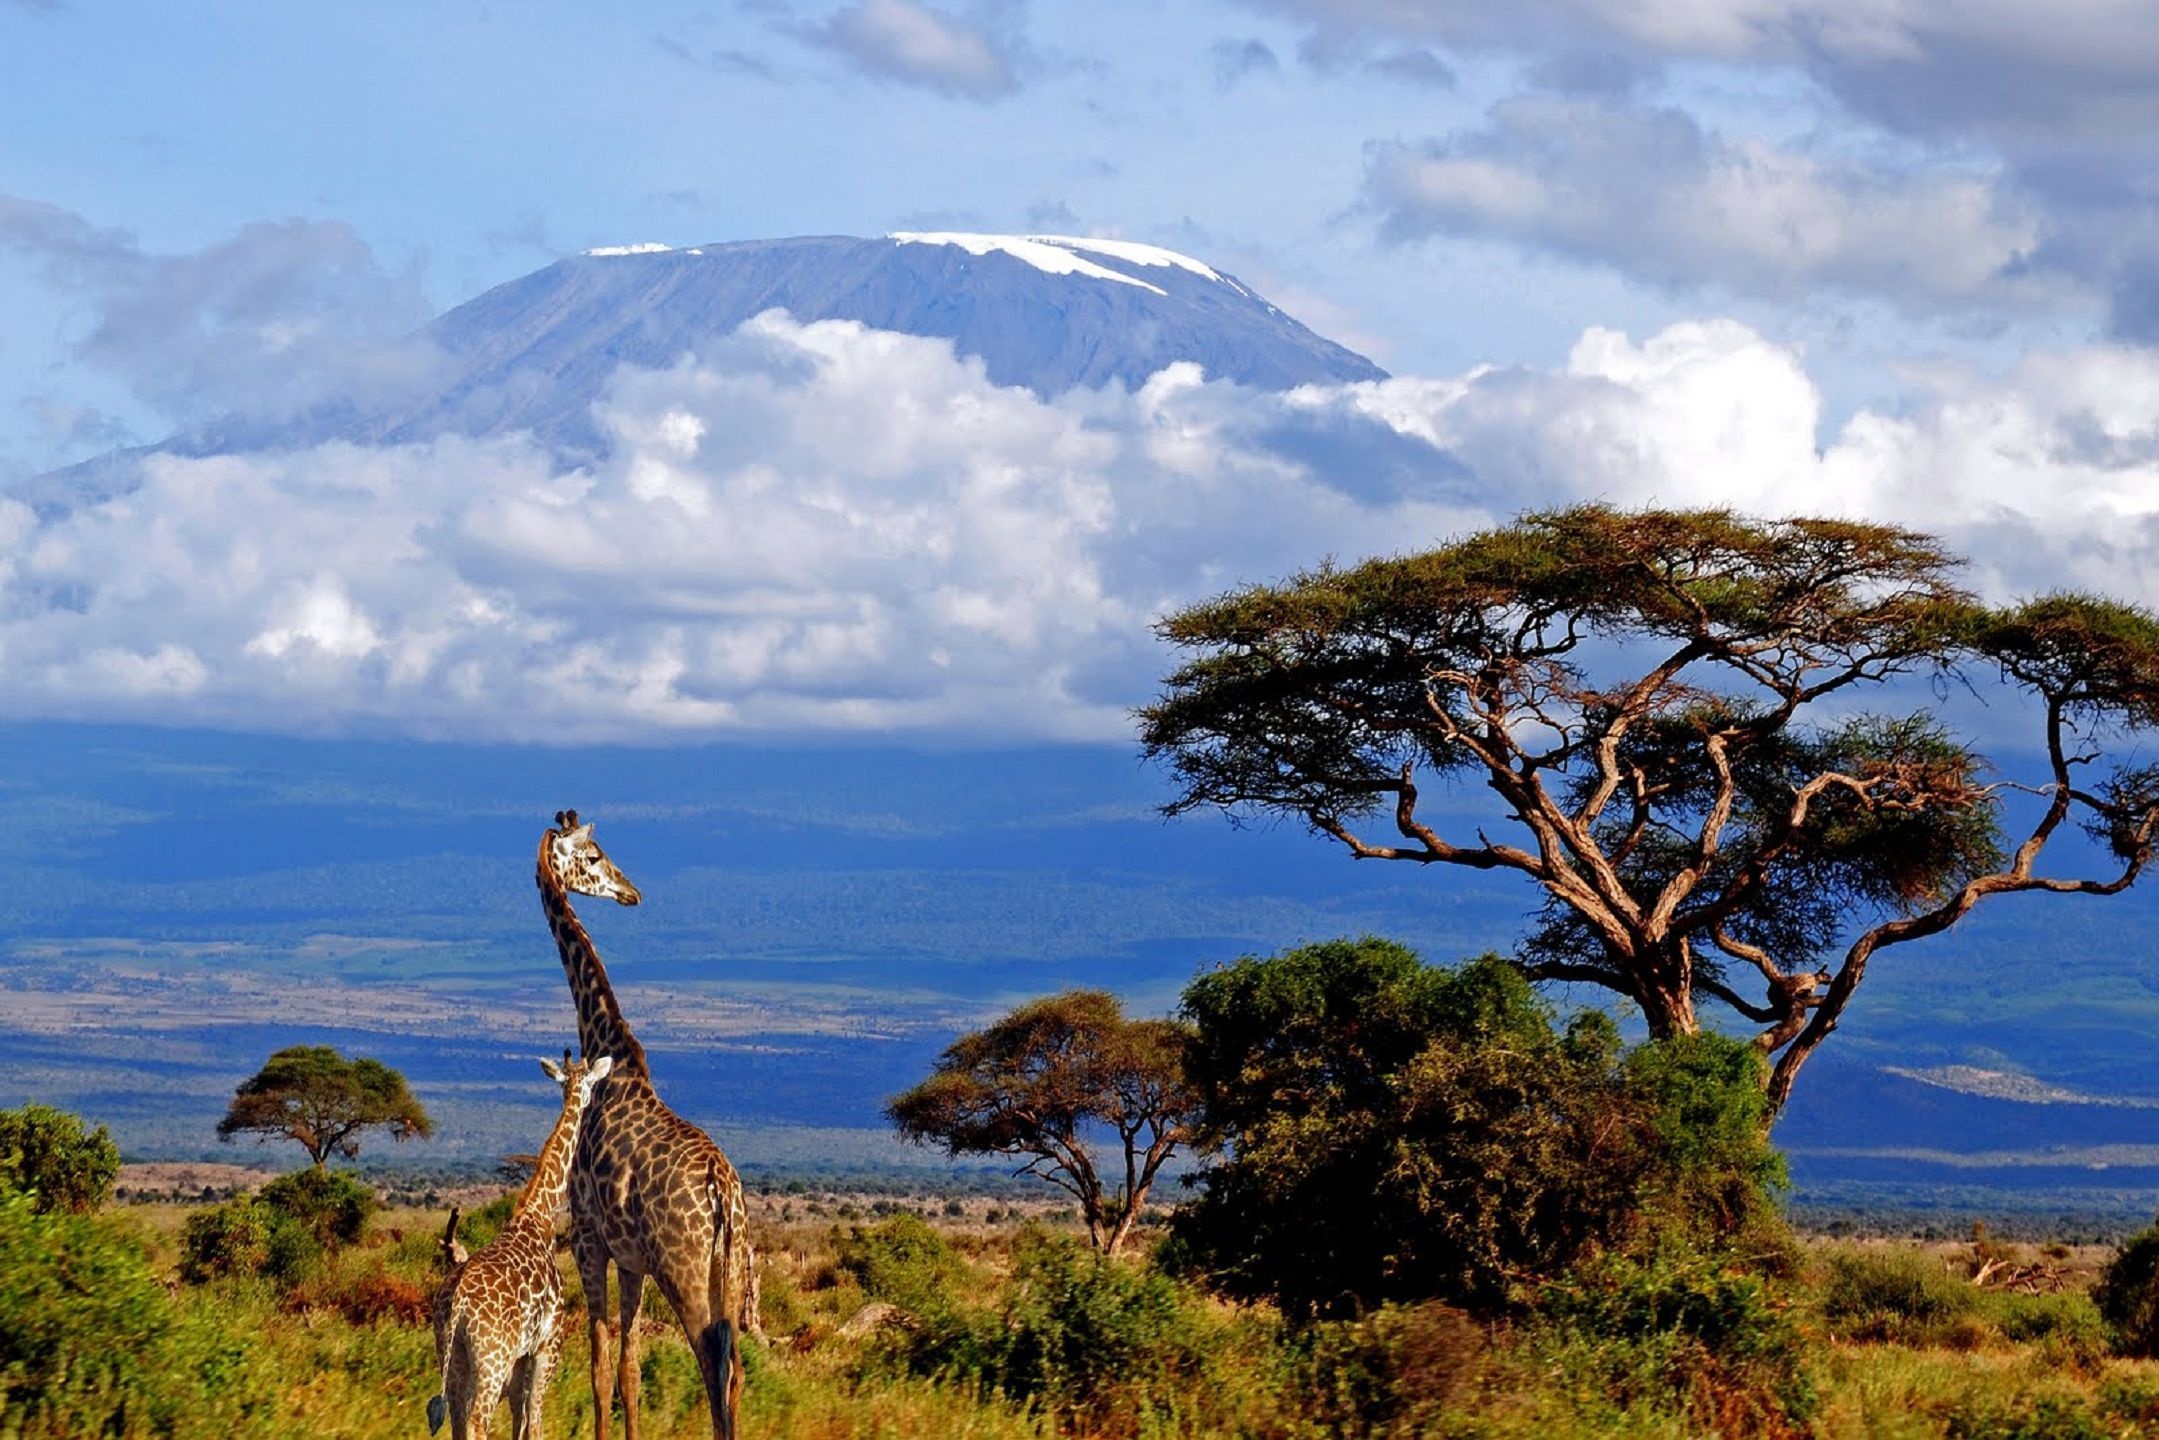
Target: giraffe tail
(454, 1351)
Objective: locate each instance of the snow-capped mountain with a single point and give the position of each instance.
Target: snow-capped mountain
(1046, 312)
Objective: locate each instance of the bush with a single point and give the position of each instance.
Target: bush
(1893, 1295)
(2128, 1294)
(902, 1261)
(47, 1152)
(1122, 1346)
(246, 1237)
(90, 1343)
(1395, 1372)
(1383, 1130)
(332, 1207)
(1687, 1327)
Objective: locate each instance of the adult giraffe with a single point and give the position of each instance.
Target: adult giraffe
(650, 1191)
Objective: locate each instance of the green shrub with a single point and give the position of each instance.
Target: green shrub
(228, 1239)
(1893, 1295)
(1395, 1372)
(2067, 1328)
(2048, 1417)
(1695, 1330)
(1385, 1130)
(330, 1206)
(47, 1152)
(90, 1343)
(902, 1261)
(1120, 1345)
(2128, 1293)
(246, 1237)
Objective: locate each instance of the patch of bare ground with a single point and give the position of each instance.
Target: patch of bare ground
(185, 1180)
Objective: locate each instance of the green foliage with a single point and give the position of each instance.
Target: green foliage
(90, 1344)
(333, 1208)
(1383, 1130)
(1714, 763)
(1697, 1329)
(246, 1236)
(902, 1261)
(1122, 1346)
(2128, 1293)
(312, 1095)
(1396, 1372)
(1893, 1294)
(283, 1233)
(1047, 1081)
(49, 1153)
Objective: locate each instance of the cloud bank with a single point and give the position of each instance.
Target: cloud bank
(1651, 193)
(283, 317)
(2010, 137)
(827, 528)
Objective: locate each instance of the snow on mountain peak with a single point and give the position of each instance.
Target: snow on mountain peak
(649, 247)
(1061, 254)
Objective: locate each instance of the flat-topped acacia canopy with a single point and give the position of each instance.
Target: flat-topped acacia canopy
(1667, 705)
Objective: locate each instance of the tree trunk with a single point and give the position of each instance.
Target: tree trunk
(1664, 988)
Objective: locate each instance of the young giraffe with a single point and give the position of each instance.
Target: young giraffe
(498, 1319)
(650, 1192)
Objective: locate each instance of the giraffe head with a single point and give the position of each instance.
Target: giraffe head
(582, 866)
(577, 1077)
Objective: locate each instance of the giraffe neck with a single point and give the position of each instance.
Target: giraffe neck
(549, 1188)
(601, 1030)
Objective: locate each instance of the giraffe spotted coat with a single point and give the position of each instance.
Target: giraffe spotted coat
(650, 1194)
(498, 1318)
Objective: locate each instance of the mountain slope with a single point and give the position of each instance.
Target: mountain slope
(1049, 314)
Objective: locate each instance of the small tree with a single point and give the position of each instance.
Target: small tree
(1043, 1080)
(313, 1095)
(48, 1152)
(1666, 708)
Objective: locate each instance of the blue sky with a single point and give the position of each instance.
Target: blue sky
(1891, 256)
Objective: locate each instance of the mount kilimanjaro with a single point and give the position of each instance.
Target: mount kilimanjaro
(1049, 313)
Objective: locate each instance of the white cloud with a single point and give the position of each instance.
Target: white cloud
(822, 527)
(1652, 194)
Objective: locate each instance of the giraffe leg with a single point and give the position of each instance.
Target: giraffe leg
(633, 1299)
(486, 1395)
(544, 1364)
(591, 1254)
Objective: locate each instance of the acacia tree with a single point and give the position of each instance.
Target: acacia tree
(1038, 1082)
(1666, 707)
(313, 1095)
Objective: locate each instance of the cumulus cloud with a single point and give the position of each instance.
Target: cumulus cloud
(812, 526)
(1650, 192)
(976, 57)
(823, 527)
